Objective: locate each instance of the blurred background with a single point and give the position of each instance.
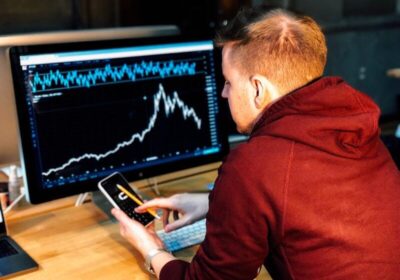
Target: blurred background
(363, 36)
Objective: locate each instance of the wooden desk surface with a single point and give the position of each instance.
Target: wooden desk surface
(76, 243)
(82, 242)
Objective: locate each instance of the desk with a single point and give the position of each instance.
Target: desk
(82, 242)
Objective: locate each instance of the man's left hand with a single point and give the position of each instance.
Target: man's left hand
(142, 238)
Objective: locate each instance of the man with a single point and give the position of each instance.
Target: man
(313, 194)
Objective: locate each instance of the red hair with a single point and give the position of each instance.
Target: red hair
(289, 50)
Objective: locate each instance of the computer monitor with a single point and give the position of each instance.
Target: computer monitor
(142, 107)
(9, 152)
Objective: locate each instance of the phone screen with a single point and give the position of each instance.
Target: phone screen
(121, 200)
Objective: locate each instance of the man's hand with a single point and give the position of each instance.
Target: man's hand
(186, 208)
(143, 239)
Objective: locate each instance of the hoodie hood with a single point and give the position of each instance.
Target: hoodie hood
(327, 114)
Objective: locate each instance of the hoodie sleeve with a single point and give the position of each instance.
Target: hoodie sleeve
(236, 242)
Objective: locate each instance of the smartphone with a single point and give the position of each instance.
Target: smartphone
(119, 199)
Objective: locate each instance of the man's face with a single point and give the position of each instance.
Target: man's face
(237, 90)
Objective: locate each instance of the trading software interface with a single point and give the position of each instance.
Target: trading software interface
(96, 111)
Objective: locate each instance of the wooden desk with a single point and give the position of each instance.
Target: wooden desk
(81, 242)
(76, 243)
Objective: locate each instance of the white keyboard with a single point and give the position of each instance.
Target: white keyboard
(184, 237)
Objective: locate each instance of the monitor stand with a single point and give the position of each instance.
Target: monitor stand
(103, 204)
(153, 184)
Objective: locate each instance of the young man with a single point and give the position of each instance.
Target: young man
(313, 194)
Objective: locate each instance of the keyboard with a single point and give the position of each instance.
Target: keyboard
(6, 249)
(184, 237)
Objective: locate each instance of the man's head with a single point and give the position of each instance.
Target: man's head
(265, 56)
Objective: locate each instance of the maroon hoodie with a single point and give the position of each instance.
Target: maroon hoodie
(313, 194)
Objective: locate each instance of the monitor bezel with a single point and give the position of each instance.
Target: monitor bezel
(35, 192)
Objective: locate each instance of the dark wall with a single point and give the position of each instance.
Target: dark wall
(21, 16)
(333, 10)
(362, 56)
(17, 16)
(368, 7)
(194, 16)
(363, 38)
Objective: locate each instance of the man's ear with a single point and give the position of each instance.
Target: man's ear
(265, 91)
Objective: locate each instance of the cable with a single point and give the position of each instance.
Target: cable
(22, 189)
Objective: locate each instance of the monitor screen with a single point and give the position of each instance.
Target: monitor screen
(141, 107)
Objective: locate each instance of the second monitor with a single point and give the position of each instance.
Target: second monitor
(142, 107)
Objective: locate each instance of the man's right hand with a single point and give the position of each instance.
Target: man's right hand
(186, 209)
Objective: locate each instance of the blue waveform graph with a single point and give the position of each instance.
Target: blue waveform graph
(171, 104)
(87, 78)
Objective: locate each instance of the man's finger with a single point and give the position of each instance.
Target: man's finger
(155, 203)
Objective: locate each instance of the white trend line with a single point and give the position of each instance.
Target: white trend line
(170, 105)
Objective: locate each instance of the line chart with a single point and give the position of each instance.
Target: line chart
(170, 105)
(40, 82)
